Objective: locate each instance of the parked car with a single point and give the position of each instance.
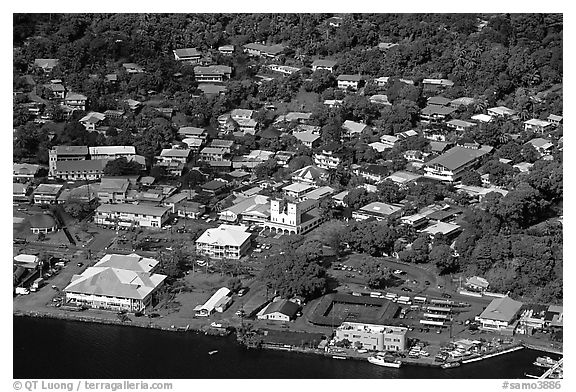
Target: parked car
(406, 289)
(242, 291)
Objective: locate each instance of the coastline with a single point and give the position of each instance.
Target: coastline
(203, 327)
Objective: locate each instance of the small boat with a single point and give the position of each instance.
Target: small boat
(382, 360)
(212, 352)
(449, 365)
(338, 357)
(545, 362)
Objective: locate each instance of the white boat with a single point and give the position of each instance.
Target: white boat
(338, 357)
(545, 362)
(212, 352)
(381, 360)
(448, 365)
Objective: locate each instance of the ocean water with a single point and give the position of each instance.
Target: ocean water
(46, 348)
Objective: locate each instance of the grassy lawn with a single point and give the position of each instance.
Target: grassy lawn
(303, 102)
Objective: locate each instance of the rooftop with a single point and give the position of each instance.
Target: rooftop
(457, 157)
(225, 235)
(380, 208)
(129, 208)
(502, 309)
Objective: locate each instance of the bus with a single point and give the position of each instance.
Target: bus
(437, 310)
(445, 303)
(404, 301)
(433, 323)
(436, 317)
(419, 300)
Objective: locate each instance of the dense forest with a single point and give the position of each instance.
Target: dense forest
(514, 60)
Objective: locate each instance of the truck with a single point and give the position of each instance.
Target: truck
(22, 290)
(37, 284)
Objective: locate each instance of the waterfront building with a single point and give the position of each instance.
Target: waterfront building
(373, 336)
(216, 303)
(280, 310)
(500, 315)
(116, 282)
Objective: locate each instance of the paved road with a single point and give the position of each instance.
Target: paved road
(101, 240)
(32, 95)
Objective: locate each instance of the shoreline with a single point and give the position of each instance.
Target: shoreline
(206, 329)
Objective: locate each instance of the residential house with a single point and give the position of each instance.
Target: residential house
(133, 68)
(436, 85)
(118, 284)
(75, 101)
(187, 132)
(501, 111)
(538, 126)
(460, 125)
(349, 81)
(338, 198)
(403, 178)
(483, 118)
(190, 209)
(435, 114)
(193, 143)
(212, 89)
(173, 201)
(43, 223)
(226, 49)
(327, 65)
(500, 315)
(309, 175)
(20, 191)
(47, 193)
(92, 120)
(224, 242)
(543, 146)
(377, 210)
(462, 101)
(57, 90)
(222, 143)
(438, 101)
(450, 165)
(476, 283)
(379, 147)
(449, 230)
(353, 128)
(386, 45)
(187, 55)
(173, 155)
(212, 73)
(47, 65)
(373, 337)
(24, 171)
(214, 153)
(297, 117)
(407, 134)
(380, 99)
(284, 157)
(80, 170)
(326, 160)
(389, 141)
(131, 215)
(215, 186)
(479, 192)
(333, 102)
(523, 167)
(381, 81)
(260, 50)
(373, 173)
(554, 119)
(335, 21)
(280, 310)
(310, 139)
(438, 147)
(117, 114)
(113, 190)
(283, 69)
